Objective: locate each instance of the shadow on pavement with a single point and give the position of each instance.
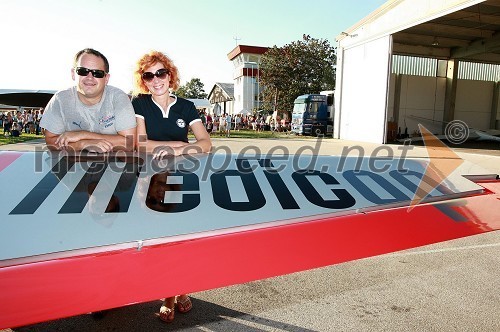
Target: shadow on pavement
(141, 317)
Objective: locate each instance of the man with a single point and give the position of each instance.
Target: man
(90, 116)
(228, 124)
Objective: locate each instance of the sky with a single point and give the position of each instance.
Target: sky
(40, 38)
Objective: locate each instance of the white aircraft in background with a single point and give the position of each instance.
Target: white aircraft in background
(472, 133)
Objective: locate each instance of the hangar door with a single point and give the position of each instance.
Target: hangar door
(363, 105)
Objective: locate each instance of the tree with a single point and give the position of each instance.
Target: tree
(302, 67)
(193, 89)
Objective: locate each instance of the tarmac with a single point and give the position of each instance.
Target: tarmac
(448, 286)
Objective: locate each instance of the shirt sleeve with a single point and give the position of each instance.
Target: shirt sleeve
(125, 116)
(192, 115)
(52, 118)
(138, 107)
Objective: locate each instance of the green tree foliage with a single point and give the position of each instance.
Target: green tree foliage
(193, 89)
(302, 67)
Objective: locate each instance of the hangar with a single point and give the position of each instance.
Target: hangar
(419, 61)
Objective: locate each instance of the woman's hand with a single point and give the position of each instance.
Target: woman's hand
(163, 151)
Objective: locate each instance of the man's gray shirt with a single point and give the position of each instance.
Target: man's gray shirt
(65, 112)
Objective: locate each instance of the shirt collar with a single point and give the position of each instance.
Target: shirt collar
(167, 111)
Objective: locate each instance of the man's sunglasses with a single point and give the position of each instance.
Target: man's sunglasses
(97, 73)
(160, 73)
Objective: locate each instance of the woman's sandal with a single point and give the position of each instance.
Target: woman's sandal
(184, 305)
(166, 314)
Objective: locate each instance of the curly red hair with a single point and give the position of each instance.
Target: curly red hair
(148, 60)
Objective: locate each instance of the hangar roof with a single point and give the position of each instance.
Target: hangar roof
(466, 30)
(468, 34)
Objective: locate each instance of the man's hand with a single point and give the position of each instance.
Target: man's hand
(68, 137)
(91, 145)
(98, 145)
(90, 141)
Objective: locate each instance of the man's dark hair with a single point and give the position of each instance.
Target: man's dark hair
(93, 52)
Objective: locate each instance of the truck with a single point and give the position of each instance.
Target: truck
(313, 114)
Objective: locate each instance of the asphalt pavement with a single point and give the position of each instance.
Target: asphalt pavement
(448, 286)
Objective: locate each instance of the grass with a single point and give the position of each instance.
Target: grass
(23, 138)
(248, 133)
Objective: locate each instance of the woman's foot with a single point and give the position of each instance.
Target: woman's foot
(167, 310)
(184, 303)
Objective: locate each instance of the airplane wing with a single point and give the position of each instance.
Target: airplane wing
(483, 136)
(459, 130)
(26, 98)
(108, 231)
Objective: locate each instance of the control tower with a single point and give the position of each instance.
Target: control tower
(246, 62)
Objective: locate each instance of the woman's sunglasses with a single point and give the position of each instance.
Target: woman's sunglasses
(97, 73)
(160, 73)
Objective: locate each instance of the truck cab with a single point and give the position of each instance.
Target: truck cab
(313, 114)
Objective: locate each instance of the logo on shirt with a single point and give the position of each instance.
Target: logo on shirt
(180, 123)
(107, 120)
(78, 124)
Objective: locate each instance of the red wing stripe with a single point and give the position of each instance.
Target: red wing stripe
(7, 158)
(121, 277)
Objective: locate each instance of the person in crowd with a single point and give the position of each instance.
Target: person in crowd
(237, 122)
(244, 122)
(228, 124)
(18, 117)
(92, 115)
(7, 124)
(39, 127)
(222, 124)
(30, 122)
(36, 122)
(163, 122)
(210, 123)
(215, 127)
(16, 130)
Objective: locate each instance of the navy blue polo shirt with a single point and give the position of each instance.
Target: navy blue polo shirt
(171, 124)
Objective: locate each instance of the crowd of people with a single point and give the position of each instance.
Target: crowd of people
(224, 123)
(27, 121)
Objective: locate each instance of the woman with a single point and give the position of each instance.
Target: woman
(163, 119)
(163, 122)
